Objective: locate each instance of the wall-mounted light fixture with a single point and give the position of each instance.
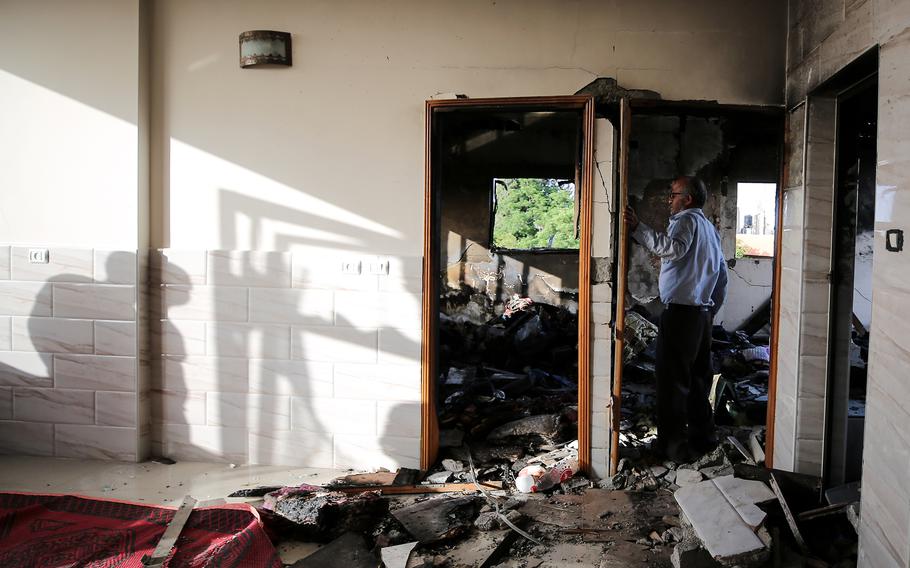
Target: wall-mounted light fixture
(265, 47)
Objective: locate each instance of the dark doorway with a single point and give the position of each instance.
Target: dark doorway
(851, 300)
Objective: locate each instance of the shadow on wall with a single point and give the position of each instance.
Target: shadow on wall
(278, 358)
(72, 393)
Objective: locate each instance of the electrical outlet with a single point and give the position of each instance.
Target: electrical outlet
(350, 267)
(380, 267)
(38, 256)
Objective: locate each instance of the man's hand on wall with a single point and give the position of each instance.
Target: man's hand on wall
(631, 218)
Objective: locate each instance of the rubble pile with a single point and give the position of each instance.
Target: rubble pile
(507, 386)
(739, 393)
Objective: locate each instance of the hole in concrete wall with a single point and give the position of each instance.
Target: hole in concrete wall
(507, 356)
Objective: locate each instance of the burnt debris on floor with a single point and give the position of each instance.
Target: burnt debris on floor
(507, 389)
(719, 510)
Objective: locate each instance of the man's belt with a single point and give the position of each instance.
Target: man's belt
(688, 308)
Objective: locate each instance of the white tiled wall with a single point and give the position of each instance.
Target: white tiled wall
(276, 358)
(68, 360)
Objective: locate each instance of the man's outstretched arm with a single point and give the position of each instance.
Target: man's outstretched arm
(669, 246)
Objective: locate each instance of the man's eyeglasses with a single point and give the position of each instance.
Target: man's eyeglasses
(675, 193)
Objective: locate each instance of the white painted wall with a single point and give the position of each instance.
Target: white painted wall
(328, 154)
(749, 286)
(68, 114)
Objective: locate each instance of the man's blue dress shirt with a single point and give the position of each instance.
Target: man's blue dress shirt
(692, 268)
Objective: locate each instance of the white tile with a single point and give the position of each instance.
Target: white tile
(54, 405)
(405, 275)
(179, 407)
(53, 335)
(211, 303)
(338, 416)
(6, 333)
(286, 377)
(400, 346)
(602, 232)
(249, 268)
(809, 457)
(600, 463)
(601, 312)
(602, 292)
(378, 382)
(94, 301)
(26, 438)
(381, 309)
(4, 262)
(26, 369)
(204, 443)
(95, 442)
(309, 307)
(600, 433)
(290, 447)
(95, 372)
(266, 341)
(115, 338)
(182, 337)
(172, 266)
(371, 452)
(115, 266)
(601, 357)
(194, 373)
(64, 265)
(25, 299)
(115, 409)
(6, 403)
(810, 418)
(343, 344)
(254, 411)
(398, 419)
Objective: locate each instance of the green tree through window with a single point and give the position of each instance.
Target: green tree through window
(534, 213)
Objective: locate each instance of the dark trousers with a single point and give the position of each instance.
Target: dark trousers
(684, 376)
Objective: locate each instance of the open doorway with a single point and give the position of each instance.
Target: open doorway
(736, 152)
(851, 279)
(506, 307)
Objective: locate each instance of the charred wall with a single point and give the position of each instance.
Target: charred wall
(723, 148)
(477, 147)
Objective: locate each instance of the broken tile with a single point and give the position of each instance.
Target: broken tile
(719, 526)
(397, 556)
(743, 494)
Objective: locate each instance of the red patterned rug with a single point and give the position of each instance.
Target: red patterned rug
(57, 531)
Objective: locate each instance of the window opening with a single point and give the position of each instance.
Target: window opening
(534, 214)
(755, 219)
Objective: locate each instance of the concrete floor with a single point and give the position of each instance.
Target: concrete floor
(147, 482)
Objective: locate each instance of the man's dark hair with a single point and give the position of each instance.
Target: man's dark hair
(696, 188)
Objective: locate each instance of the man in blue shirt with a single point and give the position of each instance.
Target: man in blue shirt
(693, 285)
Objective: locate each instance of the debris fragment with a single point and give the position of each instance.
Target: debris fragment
(397, 556)
(438, 518)
(347, 551)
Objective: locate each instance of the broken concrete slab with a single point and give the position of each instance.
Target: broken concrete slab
(363, 479)
(440, 477)
(719, 525)
(438, 519)
(481, 549)
(397, 556)
(743, 494)
(347, 551)
(686, 477)
(452, 465)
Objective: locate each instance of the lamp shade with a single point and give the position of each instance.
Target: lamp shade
(265, 47)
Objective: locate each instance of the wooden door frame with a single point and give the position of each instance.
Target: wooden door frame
(429, 427)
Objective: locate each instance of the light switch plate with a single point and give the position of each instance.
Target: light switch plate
(350, 267)
(380, 267)
(38, 256)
